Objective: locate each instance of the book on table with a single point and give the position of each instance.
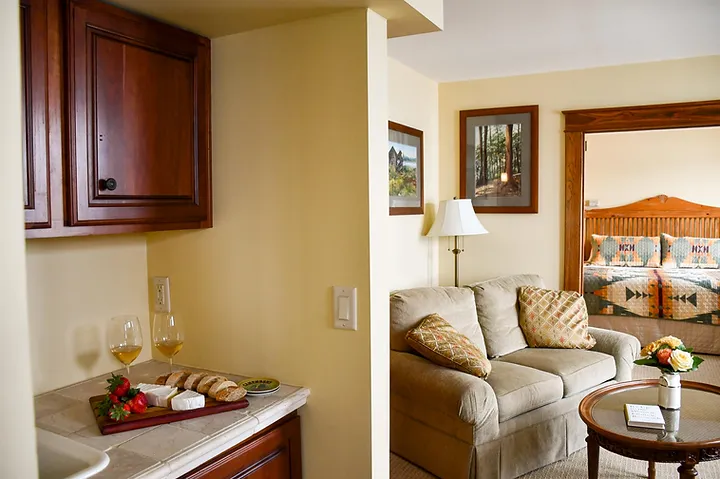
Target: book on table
(644, 415)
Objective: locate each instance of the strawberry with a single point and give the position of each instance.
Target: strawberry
(138, 403)
(118, 385)
(119, 412)
(114, 399)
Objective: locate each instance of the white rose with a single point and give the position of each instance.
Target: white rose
(681, 360)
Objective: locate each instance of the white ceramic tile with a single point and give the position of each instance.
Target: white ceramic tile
(92, 437)
(163, 442)
(125, 464)
(52, 403)
(260, 403)
(214, 423)
(85, 390)
(68, 421)
(270, 415)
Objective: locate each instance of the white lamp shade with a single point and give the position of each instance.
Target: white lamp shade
(456, 218)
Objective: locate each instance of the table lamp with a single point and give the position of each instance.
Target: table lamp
(456, 218)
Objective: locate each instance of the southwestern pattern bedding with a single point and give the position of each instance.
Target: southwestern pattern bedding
(680, 295)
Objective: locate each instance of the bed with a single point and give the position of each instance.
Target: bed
(650, 302)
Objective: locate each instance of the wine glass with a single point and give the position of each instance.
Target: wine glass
(168, 335)
(125, 339)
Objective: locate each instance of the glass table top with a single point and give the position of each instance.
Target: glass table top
(698, 419)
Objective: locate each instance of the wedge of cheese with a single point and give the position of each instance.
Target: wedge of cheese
(161, 396)
(188, 400)
(145, 388)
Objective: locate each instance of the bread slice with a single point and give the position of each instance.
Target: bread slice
(161, 380)
(219, 386)
(177, 379)
(207, 382)
(231, 394)
(191, 383)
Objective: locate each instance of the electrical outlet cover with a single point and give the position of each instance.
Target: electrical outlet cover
(161, 294)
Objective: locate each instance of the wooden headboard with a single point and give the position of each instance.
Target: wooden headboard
(652, 216)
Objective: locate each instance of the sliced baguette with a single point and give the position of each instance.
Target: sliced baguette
(207, 382)
(191, 383)
(177, 379)
(231, 394)
(219, 386)
(161, 380)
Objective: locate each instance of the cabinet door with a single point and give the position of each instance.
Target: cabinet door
(273, 453)
(34, 57)
(139, 120)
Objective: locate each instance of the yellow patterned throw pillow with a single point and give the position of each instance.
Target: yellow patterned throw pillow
(554, 319)
(625, 251)
(436, 339)
(687, 252)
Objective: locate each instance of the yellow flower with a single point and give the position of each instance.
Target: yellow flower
(681, 360)
(671, 341)
(649, 349)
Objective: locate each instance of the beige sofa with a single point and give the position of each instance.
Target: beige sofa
(524, 416)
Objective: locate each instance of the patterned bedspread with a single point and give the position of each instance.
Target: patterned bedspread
(680, 294)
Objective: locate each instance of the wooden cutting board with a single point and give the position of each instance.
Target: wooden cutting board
(155, 416)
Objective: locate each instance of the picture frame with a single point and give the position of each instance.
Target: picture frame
(406, 168)
(499, 159)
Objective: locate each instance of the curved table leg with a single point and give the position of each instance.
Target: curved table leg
(651, 469)
(593, 452)
(687, 469)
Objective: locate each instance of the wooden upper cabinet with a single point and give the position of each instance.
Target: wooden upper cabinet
(138, 95)
(36, 169)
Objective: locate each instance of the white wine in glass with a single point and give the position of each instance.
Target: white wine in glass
(125, 339)
(168, 336)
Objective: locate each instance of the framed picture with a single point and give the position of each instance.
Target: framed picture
(499, 159)
(405, 165)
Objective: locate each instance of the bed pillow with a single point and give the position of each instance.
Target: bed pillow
(625, 251)
(554, 319)
(436, 340)
(689, 252)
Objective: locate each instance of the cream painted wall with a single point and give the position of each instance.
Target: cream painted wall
(533, 243)
(75, 286)
(413, 101)
(293, 217)
(17, 423)
(622, 168)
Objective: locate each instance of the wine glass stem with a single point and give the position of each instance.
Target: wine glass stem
(127, 367)
(171, 364)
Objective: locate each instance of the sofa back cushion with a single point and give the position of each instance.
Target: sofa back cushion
(410, 306)
(496, 301)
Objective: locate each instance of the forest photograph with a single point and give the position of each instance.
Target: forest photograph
(402, 163)
(498, 160)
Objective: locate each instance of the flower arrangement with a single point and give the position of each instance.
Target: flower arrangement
(669, 354)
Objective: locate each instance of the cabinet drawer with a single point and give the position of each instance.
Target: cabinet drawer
(273, 453)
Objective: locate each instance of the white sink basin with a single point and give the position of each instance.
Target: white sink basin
(63, 458)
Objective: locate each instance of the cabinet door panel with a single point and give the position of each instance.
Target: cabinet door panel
(139, 127)
(34, 56)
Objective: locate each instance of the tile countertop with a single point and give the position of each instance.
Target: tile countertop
(163, 451)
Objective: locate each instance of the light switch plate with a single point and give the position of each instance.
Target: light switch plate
(345, 305)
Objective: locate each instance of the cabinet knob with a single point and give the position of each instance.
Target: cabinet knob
(109, 184)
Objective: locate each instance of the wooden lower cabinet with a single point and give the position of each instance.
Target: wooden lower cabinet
(273, 453)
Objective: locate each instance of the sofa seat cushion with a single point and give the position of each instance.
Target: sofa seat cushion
(520, 389)
(578, 369)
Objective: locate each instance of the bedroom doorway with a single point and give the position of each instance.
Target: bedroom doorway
(578, 124)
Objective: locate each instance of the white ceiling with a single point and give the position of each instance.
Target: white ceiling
(496, 38)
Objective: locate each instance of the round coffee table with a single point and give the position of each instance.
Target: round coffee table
(692, 433)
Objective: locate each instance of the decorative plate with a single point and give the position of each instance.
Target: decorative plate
(260, 385)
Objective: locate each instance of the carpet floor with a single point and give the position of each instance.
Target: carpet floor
(612, 466)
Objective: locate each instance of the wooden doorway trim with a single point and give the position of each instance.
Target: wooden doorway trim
(578, 123)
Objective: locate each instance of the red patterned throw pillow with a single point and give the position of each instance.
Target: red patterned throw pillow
(435, 339)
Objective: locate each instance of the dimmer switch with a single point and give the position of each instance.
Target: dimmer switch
(345, 307)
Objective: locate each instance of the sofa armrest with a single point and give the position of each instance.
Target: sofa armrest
(450, 392)
(625, 348)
